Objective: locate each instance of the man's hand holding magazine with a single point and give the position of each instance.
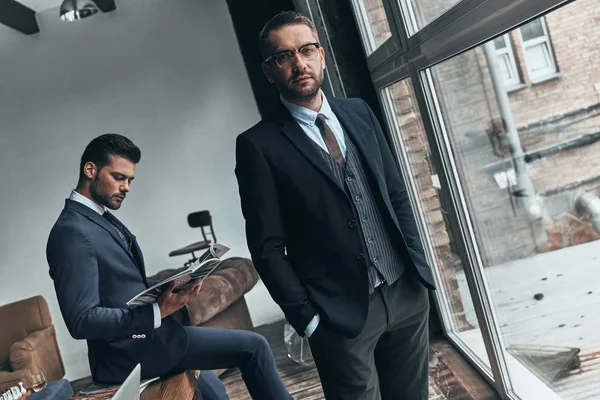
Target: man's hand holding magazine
(170, 301)
(183, 284)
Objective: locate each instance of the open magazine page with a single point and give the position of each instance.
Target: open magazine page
(106, 391)
(206, 264)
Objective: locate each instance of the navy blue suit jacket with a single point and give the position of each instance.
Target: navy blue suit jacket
(94, 276)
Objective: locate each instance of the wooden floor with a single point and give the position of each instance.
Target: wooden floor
(451, 378)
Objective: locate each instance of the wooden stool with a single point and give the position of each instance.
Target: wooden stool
(177, 387)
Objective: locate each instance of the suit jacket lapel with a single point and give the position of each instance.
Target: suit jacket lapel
(303, 143)
(361, 135)
(103, 222)
(139, 258)
(136, 252)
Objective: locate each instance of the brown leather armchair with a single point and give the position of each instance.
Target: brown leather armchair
(28, 343)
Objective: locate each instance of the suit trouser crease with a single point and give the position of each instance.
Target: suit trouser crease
(388, 360)
(210, 348)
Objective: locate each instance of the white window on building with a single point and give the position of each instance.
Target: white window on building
(537, 51)
(506, 61)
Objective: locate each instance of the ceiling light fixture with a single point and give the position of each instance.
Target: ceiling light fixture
(72, 10)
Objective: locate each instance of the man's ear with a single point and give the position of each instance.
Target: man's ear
(90, 170)
(268, 72)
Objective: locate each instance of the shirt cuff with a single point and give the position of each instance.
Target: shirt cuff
(157, 318)
(312, 325)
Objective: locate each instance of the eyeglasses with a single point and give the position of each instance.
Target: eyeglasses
(284, 58)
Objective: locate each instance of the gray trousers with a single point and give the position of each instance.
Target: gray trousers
(388, 360)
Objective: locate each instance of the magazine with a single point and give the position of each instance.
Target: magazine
(205, 265)
(105, 391)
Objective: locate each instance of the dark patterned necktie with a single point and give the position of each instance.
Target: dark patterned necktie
(123, 232)
(330, 140)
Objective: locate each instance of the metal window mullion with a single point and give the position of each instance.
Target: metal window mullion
(401, 155)
(361, 17)
(334, 85)
(400, 29)
(449, 17)
(388, 73)
(394, 45)
(443, 159)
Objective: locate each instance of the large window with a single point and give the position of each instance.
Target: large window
(533, 236)
(500, 153)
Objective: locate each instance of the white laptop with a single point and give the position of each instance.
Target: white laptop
(130, 389)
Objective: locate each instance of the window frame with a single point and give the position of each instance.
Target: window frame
(509, 51)
(464, 26)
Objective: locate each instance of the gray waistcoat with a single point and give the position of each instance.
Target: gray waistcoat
(384, 262)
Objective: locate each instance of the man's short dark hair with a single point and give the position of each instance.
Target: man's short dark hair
(101, 148)
(280, 20)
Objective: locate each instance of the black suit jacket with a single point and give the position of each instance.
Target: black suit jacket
(301, 226)
(94, 276)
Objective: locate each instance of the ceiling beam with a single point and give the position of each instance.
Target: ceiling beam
(18, 17)
(106, 5)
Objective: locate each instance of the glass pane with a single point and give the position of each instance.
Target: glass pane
(499, 42)
(529, 168)
(410, 141)
(418, 13)
(538, 58)
(532, 30)
(504, 63)
(374, 23)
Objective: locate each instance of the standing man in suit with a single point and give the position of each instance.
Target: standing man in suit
(97, 266)
(330, 227)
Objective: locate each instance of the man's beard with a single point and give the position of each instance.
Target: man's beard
(100, 196)
(306, 95)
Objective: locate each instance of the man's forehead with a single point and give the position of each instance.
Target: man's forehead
(291, 36)
(121, 165)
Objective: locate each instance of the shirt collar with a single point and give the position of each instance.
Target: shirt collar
(75, 196)
(307, 116)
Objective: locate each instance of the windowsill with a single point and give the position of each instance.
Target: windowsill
(516, 88)
(547, 78)
(524, 382)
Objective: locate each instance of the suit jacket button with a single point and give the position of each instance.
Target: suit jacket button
(143, 336)
(360, 256)
(134, 336)
(352, 224)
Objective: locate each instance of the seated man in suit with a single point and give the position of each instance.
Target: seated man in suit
(97, 266)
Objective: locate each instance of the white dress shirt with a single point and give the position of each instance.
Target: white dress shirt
(307, 118)
(101, 210)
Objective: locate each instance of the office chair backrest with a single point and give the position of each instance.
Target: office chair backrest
(202, 220)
